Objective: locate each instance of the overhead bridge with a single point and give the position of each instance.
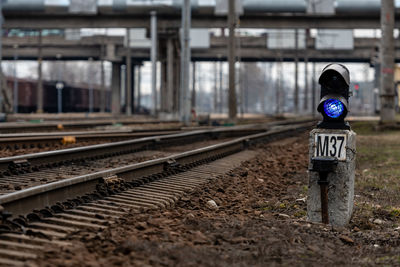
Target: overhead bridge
(250, 49)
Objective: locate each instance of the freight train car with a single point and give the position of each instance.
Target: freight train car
(75, 98)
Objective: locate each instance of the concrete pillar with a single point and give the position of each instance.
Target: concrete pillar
(116, 88)
(341, 181)
(387, 56)
(170, 75)
(39, 107)
(232, 60)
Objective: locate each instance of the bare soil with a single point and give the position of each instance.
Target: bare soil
(260, 221)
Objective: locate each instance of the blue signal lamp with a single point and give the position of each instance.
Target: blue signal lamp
(334, 109)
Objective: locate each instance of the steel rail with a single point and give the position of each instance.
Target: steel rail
(15, 142)
(55, 126)
(39, 197)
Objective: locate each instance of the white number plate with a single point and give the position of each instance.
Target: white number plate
(330, 145)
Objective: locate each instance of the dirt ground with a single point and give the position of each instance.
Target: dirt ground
(260, 219)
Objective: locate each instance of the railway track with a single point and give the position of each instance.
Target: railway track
(23, 171)
(19, 143)
(12, 144)
(47, 214)
(53, 126)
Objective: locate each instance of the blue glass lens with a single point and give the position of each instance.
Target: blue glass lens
(333, 108)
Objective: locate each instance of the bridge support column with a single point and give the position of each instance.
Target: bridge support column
(116, 88)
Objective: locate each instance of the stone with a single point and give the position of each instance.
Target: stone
(346, 239)
(341, 183)
(212, 205)
(378, 221)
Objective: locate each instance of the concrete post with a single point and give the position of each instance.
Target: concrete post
(232, 60)
(116, 87)
(341, 181)
(387, 55)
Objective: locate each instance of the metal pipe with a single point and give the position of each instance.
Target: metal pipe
(103, 86)
(39, 108)
(314, 91)
(204, 8)
(59, 85)
(154, 60)
(306, 72)
(185, 62)
(90, 86)
(296, 72)
(15, 79)
(263, 6)
(1, 56)
(139, 85)
(128, 100)
(170, 75)
(193, 98)
(323, 183)
(221, 91)
(215, 87)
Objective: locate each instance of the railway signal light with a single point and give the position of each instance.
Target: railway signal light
(333, 106)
